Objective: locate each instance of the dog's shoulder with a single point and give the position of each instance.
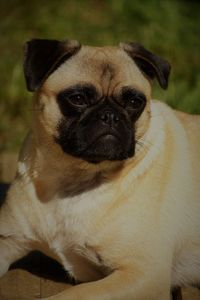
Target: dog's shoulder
(190, 122)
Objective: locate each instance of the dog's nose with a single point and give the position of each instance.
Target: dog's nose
(109, 117)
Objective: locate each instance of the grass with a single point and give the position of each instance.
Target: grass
(169, 28)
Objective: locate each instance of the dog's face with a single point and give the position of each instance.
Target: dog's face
(94, 101)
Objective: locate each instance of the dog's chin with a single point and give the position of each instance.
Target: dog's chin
(107, 147)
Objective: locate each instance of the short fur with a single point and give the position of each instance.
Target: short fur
(126, 228)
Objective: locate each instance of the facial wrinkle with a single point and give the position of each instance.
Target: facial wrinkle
(106, 78)
(106, 70)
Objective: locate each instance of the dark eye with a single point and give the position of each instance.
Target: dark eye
(133, 100)
(77, 99)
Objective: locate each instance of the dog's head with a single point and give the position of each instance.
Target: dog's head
(93, 102)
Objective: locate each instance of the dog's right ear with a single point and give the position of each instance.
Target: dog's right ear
(42, 57)
(150, 64)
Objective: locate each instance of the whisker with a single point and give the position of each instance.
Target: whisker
(143, 145)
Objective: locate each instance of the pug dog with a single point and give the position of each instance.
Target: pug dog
(108, 179)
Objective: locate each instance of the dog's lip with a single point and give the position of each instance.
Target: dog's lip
(105, 135)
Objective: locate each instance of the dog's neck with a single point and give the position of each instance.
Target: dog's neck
(151, 144)
(56, 175)
(69, 180)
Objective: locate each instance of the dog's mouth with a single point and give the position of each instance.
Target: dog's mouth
(107, 138)
(96, 144)
(107, 146)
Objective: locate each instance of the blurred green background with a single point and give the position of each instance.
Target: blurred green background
(166, 27)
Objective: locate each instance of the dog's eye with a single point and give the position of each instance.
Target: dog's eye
(133, 100)
(77, 99)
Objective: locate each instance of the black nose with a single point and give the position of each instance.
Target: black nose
(109, 117)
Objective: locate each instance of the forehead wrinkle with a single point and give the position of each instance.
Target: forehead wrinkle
(115, 87)
(103, 61)
(107, 75)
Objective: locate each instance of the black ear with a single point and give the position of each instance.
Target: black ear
(42, 57)
(150, 64)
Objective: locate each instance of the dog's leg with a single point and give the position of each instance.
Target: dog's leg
(12, 242)
(120, 285)
(13, 225)
(10, 251)
(176, 294)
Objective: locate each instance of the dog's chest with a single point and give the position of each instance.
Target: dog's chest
(83, 263)
(69, 239)
(79, 259)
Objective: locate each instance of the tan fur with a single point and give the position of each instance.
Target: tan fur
(129, 230)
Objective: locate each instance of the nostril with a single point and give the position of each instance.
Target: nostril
(109, 117)
(115, 118)
(104, 116)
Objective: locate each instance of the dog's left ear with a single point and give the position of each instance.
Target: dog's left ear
(150, 64)
(42, 57)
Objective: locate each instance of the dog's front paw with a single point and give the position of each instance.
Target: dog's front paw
(4, 266)
(64, 295)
